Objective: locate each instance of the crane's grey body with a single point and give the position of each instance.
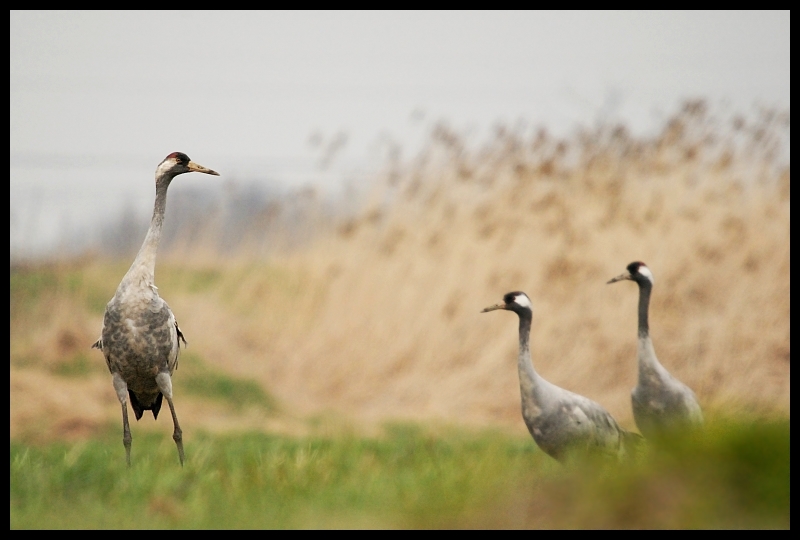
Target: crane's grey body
(660, 402)
(140, 338)
(560, 422)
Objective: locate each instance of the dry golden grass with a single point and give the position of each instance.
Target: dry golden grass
(380, 318)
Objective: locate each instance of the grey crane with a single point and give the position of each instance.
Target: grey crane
(141, 338)
(561, 422)
(660, 402)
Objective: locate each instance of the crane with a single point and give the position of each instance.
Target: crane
(140, 338)
(660, 402)
(560, 422)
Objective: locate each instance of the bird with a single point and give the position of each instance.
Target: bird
(562, 423)
(660, 402)
(140, 338)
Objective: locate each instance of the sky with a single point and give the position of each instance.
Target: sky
(98, 99)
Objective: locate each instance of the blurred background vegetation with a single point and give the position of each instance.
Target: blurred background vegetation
(339, 373)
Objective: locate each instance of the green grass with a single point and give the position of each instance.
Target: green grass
(32, 286)
(193, 281)
(238, 393)
(733, 476)
(203, 380)
(79, 365)
(92, 286)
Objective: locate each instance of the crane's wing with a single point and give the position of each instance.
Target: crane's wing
(604, 432)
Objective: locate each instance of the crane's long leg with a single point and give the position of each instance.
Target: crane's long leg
(126, 433)
(177, 435)
(164, 382)
(121, 388)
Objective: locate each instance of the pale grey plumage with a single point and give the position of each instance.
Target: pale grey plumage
(660, 402)
(140, 338)
(560, 422)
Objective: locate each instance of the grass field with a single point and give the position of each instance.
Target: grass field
(735, 476)
(300, 358)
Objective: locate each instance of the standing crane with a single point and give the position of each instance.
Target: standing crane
(660, 402)
(560, 422)
(140, 337)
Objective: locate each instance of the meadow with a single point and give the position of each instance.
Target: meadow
(341, 375)
(735, 476)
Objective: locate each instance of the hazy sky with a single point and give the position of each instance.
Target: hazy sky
(99, 98)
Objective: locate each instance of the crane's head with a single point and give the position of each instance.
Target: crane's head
(178, 163)
(636, 271)
(516, 301)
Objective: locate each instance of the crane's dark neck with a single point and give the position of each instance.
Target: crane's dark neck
(645, 288)
(524, 328)
(143, 266)
(527, 375)
(649, 367)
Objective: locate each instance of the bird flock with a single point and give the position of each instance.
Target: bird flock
(141, 339)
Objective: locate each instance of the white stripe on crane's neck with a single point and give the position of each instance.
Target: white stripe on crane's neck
(645, 271)
(523, 301)
(164, 166)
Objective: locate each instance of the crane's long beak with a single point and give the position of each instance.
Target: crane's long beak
(626, 275)
(494, 307)
(194, 167)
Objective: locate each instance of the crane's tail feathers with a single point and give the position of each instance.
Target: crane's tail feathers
(98, 344)
(138, 408)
